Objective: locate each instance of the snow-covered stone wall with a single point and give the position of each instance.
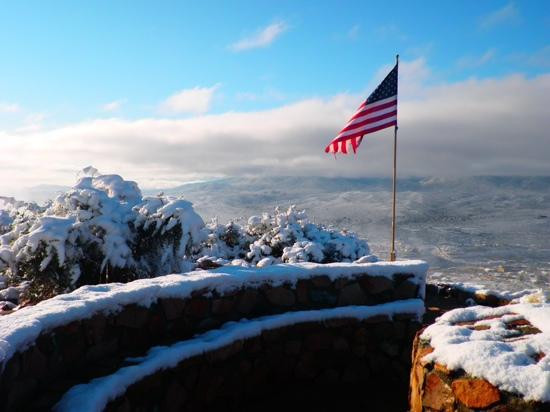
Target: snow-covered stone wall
(348, 358)
(483, 358)
(69, 339)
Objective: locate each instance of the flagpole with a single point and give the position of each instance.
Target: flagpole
(393, 223)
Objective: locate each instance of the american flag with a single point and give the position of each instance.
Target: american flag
(376, 113)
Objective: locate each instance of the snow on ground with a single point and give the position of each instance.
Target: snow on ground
(497, 352)
(95, 395)
(525, 295)
(21, 328)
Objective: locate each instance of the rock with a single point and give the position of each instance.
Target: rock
(322, 281)
(442, 368)
(172, 307)
(208, 324)
(280, 296)
(197, 307)
(322, 297)
(248, 300)
(475, 393)
(406, 290)
(133, 316)
(437, 394)
(417, 373)
(352, 294)
(302, 292)
(390, 349)
(102, 349)
(222, 306)
(292, 347)
(340, 344)
(486, 299)
(206, 264)
(33, 363)
(317, 341)
(376, 284)
(329, 377)
(377, 319)
(225, 352)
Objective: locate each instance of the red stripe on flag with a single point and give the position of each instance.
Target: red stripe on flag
(369, 120)
(359, 135)
(369, 109)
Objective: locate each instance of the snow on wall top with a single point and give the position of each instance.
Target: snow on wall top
(95, 395)
(498, 351)
(21, 328)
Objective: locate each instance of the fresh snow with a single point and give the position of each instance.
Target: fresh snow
(21, 328)
(507, 364)
(95, 395)
(104, 219)
(525, 295)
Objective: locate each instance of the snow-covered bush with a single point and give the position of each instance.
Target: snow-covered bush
(104, 230)
(100, 230)
(285, 236)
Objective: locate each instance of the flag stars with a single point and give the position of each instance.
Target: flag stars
(370, 117)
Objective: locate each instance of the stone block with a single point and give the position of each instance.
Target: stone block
(302, 288)
(406, 290)
(352, 294)
(437, 394)
(248, 300)
(292, 347)
(197, 307)
(280, 296)
(172, 307)
(222, 306)
(376, 284)
(323, 298)
(133, 316)
(322, 281)
(475, 393)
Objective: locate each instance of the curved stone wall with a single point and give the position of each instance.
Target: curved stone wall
(89, 333)
(348, 363)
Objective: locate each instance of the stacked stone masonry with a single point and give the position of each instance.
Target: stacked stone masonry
(434, 387)
(345, 364)
(35, 378)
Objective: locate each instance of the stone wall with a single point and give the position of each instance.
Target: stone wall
(339, 364)
(438, 387)
(36, 377)
(434, 387)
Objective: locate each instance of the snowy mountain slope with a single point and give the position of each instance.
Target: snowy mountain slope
(491, 230)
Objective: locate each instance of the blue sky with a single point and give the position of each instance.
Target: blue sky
(118, 63)
(70, 58)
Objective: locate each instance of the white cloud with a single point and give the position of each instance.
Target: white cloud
(262, 38)
(505, 15)
(471, 62)
(113, 106)
(196, 100)
(6, 107)
(474, 127)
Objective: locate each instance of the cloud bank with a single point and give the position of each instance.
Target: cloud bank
(473, 127)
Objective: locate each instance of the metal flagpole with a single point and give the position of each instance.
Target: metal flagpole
(393, 223)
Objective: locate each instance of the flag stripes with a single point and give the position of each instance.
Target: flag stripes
(376, 113)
